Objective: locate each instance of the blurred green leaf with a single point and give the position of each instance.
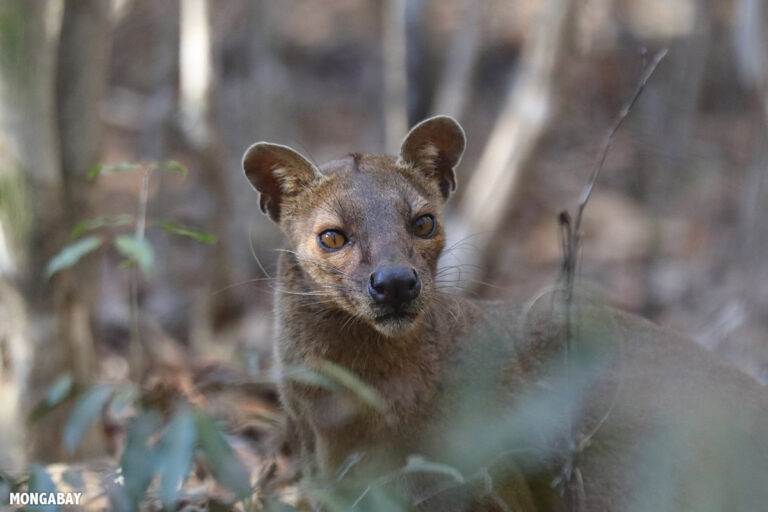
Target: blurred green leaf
(267, 418)
(175, 455)
(71, 254)
(98, 170)
(274, 505)
(123, 397)
(73, 477)
(136, 250)
(225, 465)
(41, 482)
(305, 375)
(418, 464)
(187, 231)
(93, 172)
(334, 378)
(381, 500)
(352, 383)
(59, 390)
(529, 429)
(140, 459)
(86, 411)
(324, 496)
(174, 166)
(5, 491)
(100, 222)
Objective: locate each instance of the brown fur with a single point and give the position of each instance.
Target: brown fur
(463, 381)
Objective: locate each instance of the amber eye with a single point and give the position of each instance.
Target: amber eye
(424, 226)
(331, 239)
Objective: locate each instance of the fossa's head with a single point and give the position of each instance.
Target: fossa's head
(367, 229)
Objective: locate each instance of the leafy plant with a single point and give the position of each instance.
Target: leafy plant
(159, 448)
(134, 247)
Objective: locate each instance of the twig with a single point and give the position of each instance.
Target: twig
(587, 191)
(570, 233)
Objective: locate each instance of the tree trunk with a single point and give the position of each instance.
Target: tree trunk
(31, 146)
(395, 74)
(14, 369)
(515, 137)
(454, 85)
(198, 59)
(30, 202)
(83, 55)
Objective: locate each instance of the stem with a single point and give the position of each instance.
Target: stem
(571, 244)
(587, 191)
(141, 222)
(136, 349)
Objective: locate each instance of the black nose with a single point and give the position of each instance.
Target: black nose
(394, 286)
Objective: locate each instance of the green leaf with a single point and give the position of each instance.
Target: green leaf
(381, 500)
(267, 418)
(137, 250)
(272, 504)
(86, 411)
(308, 376)
(71, 254)
(5, 491)
(124, 397)
(187, 231)
(93, 172)
(41, 482)
(325, 496)
(73, 477)
(97, 170)
(140, 458)
(174, 166)
(226, 467)
(353, 384)
(59, 390)
(417, 464)
(334, 378)
(100, 222)
(176, 453)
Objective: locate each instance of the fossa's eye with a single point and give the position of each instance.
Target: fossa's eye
(424, 226)
(332, 239)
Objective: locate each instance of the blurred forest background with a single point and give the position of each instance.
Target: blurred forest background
(99, 98)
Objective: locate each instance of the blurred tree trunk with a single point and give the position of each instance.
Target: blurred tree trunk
(53, 148)
(527, 110)
(395, 74)
(30, 198)
(28, 113)
(14, 369)
(200, 123)
(454, 85)
(83, 54)
(751, 43)
(668, 120)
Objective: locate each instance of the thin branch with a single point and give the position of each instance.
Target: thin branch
(587, 191)
(570, 233)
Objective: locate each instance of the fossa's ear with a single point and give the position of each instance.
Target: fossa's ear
(277, 172)
(434, 147)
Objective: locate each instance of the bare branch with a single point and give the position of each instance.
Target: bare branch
(587, 190)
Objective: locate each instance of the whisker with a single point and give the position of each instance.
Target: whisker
(240, 283)
(253, 250)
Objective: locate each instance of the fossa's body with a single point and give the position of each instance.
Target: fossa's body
(632, 416)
